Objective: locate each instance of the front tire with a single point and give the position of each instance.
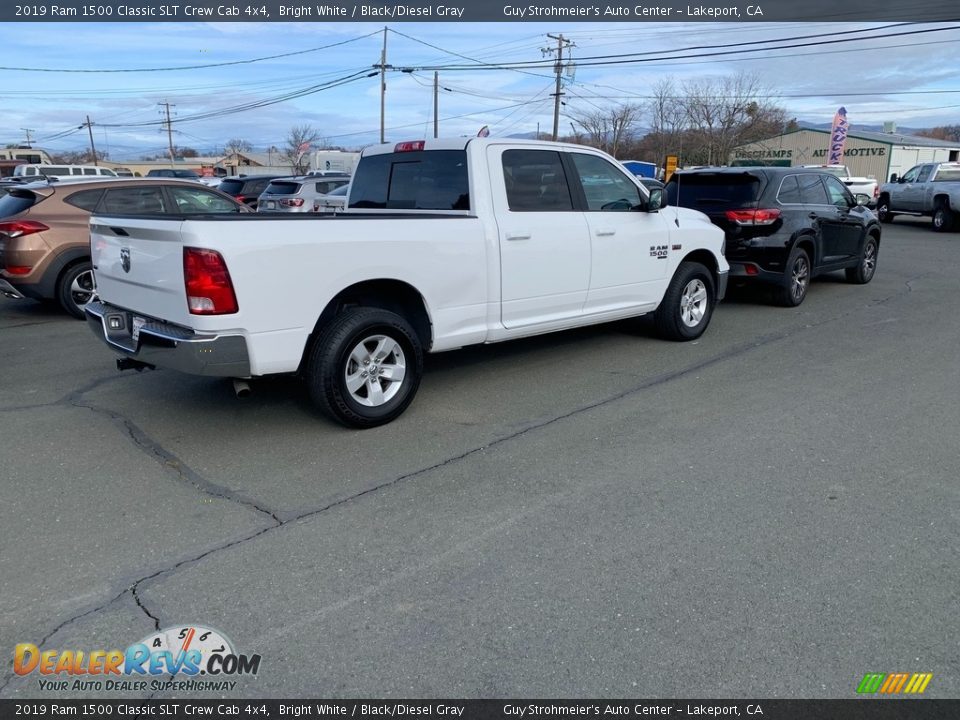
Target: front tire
(364, 368)
(685, 310)
(942, 218)
(865, 269)
(796, 279)
(75, 288)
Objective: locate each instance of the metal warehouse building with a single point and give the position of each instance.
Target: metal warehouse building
(876, 154)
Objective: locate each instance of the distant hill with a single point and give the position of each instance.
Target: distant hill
(854, 127)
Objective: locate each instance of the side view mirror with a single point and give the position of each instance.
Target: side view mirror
(894, 177)
(656, 201)
(862, 199)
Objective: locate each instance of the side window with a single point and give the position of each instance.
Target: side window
(838, 193)
(85, 199)
(133, 201)
(925, 173)
(192, 201)
(535, 181)
(789, 193)
(911, 174)
(89, 171)
(812, 191)
(606, 187)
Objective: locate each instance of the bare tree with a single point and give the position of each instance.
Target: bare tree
(609, 129)
(724, 113)
(236, 145)
(667, 117)
(298, 143)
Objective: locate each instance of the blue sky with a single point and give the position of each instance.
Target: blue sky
(871, 78)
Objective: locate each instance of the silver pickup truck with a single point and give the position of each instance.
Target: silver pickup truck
(931, 189)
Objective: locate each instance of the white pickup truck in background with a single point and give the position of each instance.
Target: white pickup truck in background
(444, 244)
(857, 185)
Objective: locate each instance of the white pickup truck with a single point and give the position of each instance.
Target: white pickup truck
(857, 185)
(444, 244)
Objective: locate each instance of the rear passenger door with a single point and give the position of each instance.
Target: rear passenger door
(544, 242)
(824, 218)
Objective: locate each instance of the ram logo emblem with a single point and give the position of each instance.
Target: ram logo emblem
(125, 259)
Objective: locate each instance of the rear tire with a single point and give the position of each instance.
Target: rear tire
(883, 210)
(943, 219)
(75, 288)
(685, 310)
(867, 266)
(364, 368)
(796, 279)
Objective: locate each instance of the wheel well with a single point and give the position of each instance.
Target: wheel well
(941, 200)
(66, 261)
(393, 295)
(707, 259)
(806, 242)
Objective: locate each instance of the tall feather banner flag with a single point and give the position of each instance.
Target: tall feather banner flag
(838, 137)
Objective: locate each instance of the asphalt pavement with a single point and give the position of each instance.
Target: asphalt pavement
(771, 511)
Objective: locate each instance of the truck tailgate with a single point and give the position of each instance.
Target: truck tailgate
(138, 265)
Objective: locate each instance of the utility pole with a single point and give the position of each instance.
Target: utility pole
(93, 149)
(383, 87)
(562, 43)
(29, 140)
(436, 104)
(169, 130)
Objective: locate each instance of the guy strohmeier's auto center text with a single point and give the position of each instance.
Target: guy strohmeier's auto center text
(646, 11)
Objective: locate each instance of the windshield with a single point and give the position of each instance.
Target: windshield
(16, 201)
(712, 190)
(282, 188)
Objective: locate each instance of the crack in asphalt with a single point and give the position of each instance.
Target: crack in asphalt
(185, 474)
(143, 441)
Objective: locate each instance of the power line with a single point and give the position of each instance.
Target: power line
(190, 67)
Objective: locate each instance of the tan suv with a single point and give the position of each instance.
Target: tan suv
(45, 233)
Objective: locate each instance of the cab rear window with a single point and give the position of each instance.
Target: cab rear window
(419, 180)
(282, 188)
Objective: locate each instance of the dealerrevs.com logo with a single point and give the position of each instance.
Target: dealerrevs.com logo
(154, 663)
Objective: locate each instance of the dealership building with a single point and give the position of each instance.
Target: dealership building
(871, 154)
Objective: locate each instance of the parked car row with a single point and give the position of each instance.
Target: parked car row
(45, 229)
(288, 194)
(783, 226)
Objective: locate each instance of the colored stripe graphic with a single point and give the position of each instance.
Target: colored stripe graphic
(894, 683)
(918, 683)
(871, 683)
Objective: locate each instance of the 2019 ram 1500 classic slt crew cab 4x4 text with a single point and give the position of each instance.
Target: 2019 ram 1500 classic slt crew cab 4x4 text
(444, 244)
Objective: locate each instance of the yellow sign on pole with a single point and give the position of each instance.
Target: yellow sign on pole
(669, 165)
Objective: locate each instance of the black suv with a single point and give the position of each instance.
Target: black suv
(783, 226)
(247, 188)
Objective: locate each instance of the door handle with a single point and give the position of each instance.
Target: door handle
(517, 236)
(606, 232)
(813, 216)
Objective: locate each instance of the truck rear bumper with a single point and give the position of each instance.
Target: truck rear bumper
(169, 346)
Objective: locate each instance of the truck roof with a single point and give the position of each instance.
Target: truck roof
(461, 143)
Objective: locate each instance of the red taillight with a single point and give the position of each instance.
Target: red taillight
(292, 202)
(239, 198)
(759, 216)
(409, 146)
(751, 270)
(209, 288)
(876, 191)
(18, 228)
(19, 269)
